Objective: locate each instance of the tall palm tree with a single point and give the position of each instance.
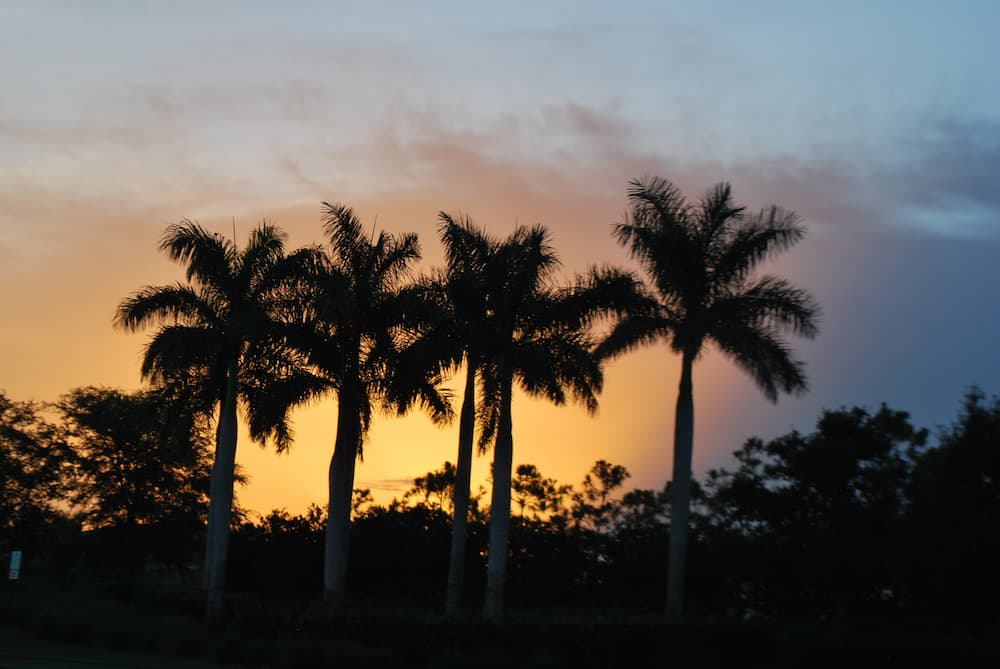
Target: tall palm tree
(700, 260)
(353, 330)
(460, 334)
(540, 338)
(219, 327)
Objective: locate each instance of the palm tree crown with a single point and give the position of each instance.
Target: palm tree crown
(224, 315)
(701, 261)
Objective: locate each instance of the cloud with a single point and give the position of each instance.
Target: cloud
(907, 316)
(388, 485)
(942, 174)
(85, 132)
(295, 101)
(949, 183)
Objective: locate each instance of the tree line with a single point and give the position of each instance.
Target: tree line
(863, 518)
(260, 330)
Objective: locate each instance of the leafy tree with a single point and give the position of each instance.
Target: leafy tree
(351, 325)
(955, 517)
(593, 507)
(33, 465)
(595, 512)
(701, 260)
(642, 509)
(361, 501)
(219, 328)
(287, 547)
(434, 489)
(637, 547)
(416, 525)
(142, 460)
(822, 513)
(540, 496)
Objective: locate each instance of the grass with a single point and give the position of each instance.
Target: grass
(21, 650)
(152, 628)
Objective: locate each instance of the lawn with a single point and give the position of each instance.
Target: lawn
(21, 650)
(152, 628)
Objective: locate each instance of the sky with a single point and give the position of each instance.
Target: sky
(877, 122)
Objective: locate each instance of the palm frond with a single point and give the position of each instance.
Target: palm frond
(265, 250)
(657, 201)
(716, 216)
(488, 404)
(600, 294)
(759, 237)
(635, 331)
(175, 303)
(467, 247)
(773, 303)
(344, 230)
(273, 385)
(764, 356)
(533, 257)
(179, 349)
(553, 361)
(394, 259)
(210, 257)
(413, 380)
(661, 235)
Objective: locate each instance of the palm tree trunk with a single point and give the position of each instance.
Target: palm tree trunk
(220, 504)
(341, 481)
(680, 488)
(503, 459)
(460, 494)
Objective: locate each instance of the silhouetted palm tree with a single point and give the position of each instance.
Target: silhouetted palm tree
(219, 326)
(540, 338)
(459, 334)
(352, 328)
(701, 260)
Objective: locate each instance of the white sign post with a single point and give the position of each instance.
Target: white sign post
(15, 565)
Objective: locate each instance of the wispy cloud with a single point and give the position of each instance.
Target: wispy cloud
(388, 485)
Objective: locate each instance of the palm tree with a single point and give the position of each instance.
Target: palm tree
(462, 330)
(539, 338)
(701, 260)
(456, 331)
(219, 327)
(352, 328)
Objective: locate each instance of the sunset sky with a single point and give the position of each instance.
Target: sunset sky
(878, 122)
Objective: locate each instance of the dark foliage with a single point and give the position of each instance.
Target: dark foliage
(814, 523)
(141, 467)
(32, 462)
(858, 525)
(105, 483)
(954, 520)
